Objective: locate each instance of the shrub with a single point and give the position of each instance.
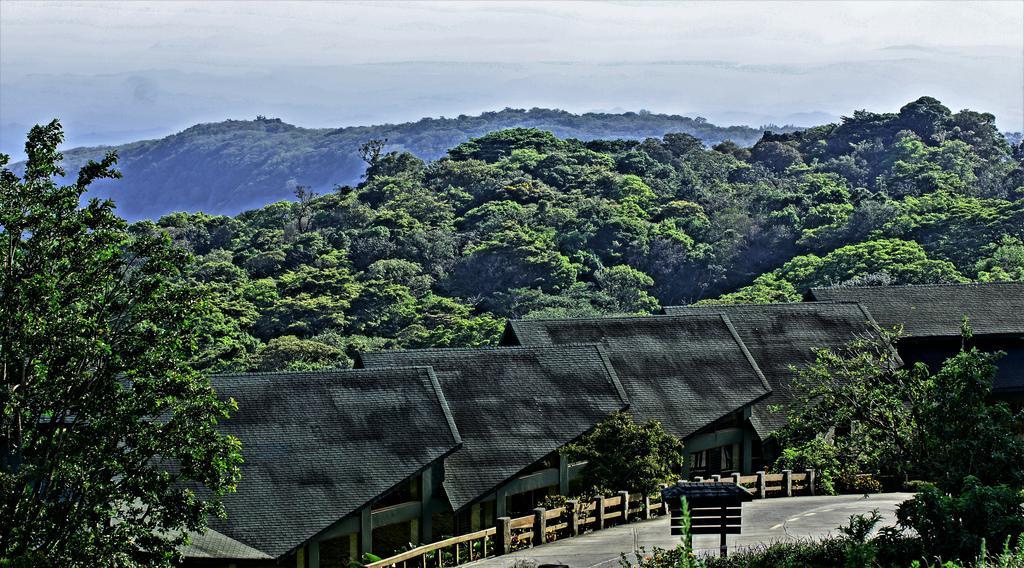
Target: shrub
(624, 455)
(957, 526)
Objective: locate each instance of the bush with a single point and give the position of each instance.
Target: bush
(956, 527)
(624, 455)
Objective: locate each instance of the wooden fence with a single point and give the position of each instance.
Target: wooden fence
(763, 484)
(540, 527)
(575, 518)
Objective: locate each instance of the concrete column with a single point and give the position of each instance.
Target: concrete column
(365, 531)
(787, 482)
(736, 477)
(503, 536)
(647, 507)
(747, 453)
(500, 502)
(313, 558)
(475, 513)
(571, 509)
(811, 480)
(599, 513)
(540, 526)
(761, 492)
(624, 495)
(426, 528)
(716, 478)
(563, 475)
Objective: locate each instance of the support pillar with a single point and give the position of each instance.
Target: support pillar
(811, 481)
(624, 495)
(761, 487)
(426, 528)
(501, 502)
(539, 526)
(313, 557)
(572, 509)
(787, 482)
(747, 452)
(563, 475)
(503, 536)
(365, 531)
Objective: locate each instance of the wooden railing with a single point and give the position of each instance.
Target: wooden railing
(575, 518)
(538, 528)
(763, 484)
(447, 552)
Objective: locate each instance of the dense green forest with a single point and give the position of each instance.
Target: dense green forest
(230, 166)
(521, 223)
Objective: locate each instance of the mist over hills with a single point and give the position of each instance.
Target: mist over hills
(234, 165)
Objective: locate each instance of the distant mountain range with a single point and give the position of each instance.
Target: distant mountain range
(231, 166)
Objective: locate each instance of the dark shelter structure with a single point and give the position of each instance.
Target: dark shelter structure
(932, 315)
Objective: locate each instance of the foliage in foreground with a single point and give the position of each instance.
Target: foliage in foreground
(853, 548)
(103, 421)
(855, 412)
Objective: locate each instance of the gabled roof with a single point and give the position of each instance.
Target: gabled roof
(783, 335)
(685, 372)
(514, 406)
(937, 310)
(320, 445)
(212, 544)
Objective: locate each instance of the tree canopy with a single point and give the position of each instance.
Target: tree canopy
(110, 451)
(521, 223)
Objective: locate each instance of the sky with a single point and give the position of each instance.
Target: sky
(120, 71)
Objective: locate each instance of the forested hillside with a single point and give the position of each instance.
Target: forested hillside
(520, 223)
(230, 166)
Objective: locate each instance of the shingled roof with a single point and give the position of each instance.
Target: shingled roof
(783, 335)
(513, 406)
(937, 310)
(320, 445)
(685, 372)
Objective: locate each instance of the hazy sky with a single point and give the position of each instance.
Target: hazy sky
(116, 71)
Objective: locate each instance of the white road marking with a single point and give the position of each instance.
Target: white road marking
(793, 520)
(809, 514)
(775, 527)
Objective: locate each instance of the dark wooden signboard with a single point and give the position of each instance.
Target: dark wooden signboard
(715, 508)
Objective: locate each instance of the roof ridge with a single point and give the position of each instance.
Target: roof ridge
(746, 353)
(935, 285)
(800, 305)
(481, 349)
(327, 371)
(597, 318)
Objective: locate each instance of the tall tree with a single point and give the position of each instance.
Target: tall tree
(110, 452)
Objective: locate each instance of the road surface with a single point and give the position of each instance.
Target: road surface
(764, 521)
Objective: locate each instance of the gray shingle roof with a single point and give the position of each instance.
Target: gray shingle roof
(212, 544)
(320, 445)
(685, 372)
(513, 406)
(937, 310)
(783, 335)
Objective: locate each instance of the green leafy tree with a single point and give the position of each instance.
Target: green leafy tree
(105, 425)
(625, 455)
(881, 419)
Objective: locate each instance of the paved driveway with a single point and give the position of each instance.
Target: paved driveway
(764, 521)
